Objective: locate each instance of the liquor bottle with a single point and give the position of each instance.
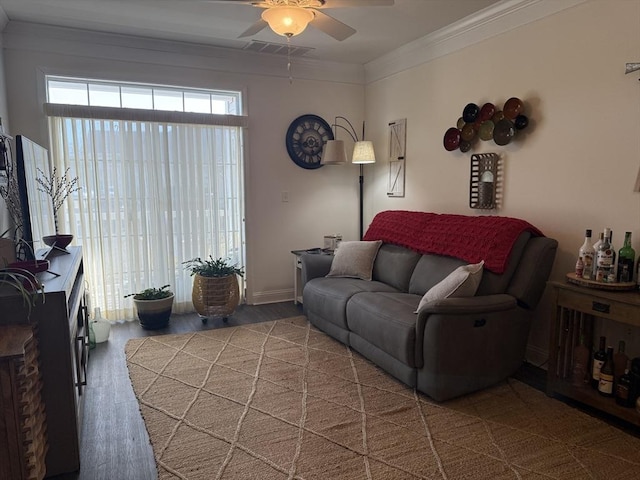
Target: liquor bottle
(612, 271)
(596, 246)
(605, 385)
(587, 253)
(626, 259)
(579, 375)
(604, 258)
(620, 360)
(579, 268)
(598, 359)
(623, 390)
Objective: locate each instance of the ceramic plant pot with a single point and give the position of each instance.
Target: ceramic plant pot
(154, 314)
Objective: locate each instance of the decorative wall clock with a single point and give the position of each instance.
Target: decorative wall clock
(305, 140)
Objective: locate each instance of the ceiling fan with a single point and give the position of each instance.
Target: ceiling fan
(290, 17)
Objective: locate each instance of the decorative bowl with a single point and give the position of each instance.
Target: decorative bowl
(512, 108)
(31, 266)
(451, 139)
(470, 112)
(60, 240)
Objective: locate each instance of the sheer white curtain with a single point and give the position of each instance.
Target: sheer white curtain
(153, 195)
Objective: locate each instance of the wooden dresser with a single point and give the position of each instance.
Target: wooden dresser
(23, 441)
(60, 327)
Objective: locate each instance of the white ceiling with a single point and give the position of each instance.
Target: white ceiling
(379, 29)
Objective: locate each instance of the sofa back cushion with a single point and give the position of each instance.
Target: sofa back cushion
(493, 283)
(431, 270)
(394, 266)
(529, 281)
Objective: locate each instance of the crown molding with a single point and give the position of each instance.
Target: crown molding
(142, 50)
(489, 22)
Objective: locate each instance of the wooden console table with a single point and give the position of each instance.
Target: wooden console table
(61, 330)
(575, 310)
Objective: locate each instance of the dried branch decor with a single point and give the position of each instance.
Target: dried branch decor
(58, 188)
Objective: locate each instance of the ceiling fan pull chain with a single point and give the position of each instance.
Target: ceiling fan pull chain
(289, 59)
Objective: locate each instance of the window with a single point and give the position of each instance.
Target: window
(160, 185)
(73, 91)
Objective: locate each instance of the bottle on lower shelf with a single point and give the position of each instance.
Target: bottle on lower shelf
(605, 384)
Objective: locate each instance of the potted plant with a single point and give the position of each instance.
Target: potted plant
(58, 188)
(153, 306)
(215, 286)
(29, 289)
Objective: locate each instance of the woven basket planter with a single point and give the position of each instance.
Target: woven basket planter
(215, 296)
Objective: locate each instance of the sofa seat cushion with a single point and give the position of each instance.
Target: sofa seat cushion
(328, 296)
(387, 321)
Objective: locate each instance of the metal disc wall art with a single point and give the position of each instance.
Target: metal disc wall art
(486, 123)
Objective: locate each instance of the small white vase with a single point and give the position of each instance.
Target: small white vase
(101, 326)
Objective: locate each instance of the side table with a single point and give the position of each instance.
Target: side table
(575, 310)
(297, 270)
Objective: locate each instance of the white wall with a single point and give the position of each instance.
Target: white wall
(574, 167)
(320, 201)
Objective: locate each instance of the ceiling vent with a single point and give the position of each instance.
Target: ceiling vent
(276, 48)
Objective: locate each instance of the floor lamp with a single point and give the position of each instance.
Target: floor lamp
(334, 153)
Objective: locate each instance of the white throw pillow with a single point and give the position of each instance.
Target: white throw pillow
(354, 259)
(462, 282)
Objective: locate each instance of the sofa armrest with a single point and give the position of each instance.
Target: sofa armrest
(470, 305)
(314, 266)
(469, 343)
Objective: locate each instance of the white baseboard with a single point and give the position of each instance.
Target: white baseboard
(272, 296)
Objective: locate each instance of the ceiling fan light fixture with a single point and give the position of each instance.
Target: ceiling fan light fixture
(287, 21)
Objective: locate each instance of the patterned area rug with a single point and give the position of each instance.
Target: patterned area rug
(282, 400)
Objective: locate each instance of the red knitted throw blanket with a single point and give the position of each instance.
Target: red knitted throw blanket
(488, 238)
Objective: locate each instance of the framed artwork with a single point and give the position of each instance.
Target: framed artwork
(397, 159)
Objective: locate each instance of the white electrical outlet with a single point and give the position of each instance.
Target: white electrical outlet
(285, 197)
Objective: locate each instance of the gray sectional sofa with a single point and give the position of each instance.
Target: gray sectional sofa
(453, 345)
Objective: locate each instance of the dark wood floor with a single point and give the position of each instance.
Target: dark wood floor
(114, 442)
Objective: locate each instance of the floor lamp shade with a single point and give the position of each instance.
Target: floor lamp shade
(334, 153)
(363, 152)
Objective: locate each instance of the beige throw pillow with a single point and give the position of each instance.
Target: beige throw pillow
(354, 259)
(462, 282)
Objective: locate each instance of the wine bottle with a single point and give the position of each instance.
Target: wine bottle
(598, 359)
(623, 389)
(604, 258)
(579, 372)
(626, 259)
(587, 253)
(620, 360)
(605, 385)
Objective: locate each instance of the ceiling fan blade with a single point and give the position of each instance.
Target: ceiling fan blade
(358, 3)
(253, 29)
(331, 26)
